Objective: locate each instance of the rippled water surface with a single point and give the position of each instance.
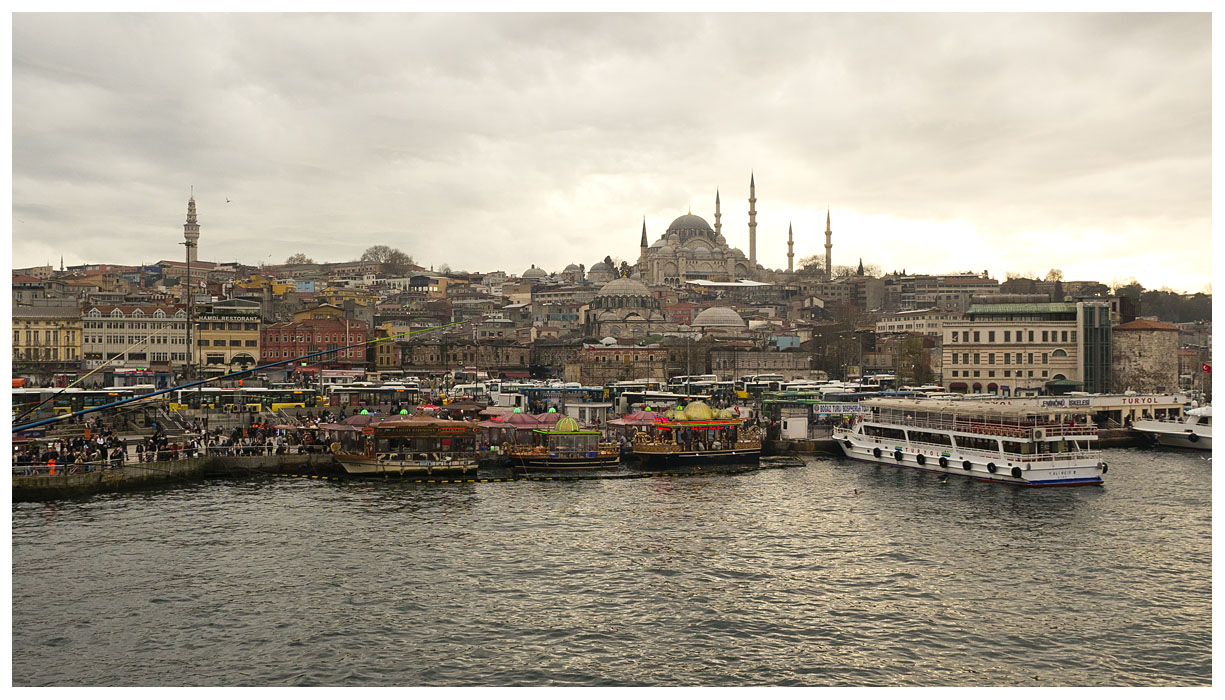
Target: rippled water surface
(831, 573)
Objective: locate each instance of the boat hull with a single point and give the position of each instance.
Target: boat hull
(365, 466)
(547, 463)
(1170, 434)
(1183, 440)
(1086, 472)
(692, 458)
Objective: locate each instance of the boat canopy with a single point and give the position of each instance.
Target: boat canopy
(972, 408)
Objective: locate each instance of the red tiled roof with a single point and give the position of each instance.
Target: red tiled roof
(25, 279)
(1143, 324)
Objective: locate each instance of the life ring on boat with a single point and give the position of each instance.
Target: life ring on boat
(876, 452)
(944, 462)
(1016, 472)
(1105, 467)
(966, 465)
(991, 467)
(898, 455)
(920, 459)
(1192, 438)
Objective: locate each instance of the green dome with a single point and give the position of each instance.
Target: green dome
(566, 424)
(698, 410)
(724, 414)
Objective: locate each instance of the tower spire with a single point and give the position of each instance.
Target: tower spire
(829, 249)
(752, 225)
(191, 229)
(718, 216)
(790, 249)
(643, 244)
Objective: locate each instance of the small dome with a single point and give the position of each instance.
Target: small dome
(601, 267)
(698, 410)
(624, 287)
(718, 317)
(534, 272)
(702, 250)
(608, 341)
(566, 424)
(571, 268)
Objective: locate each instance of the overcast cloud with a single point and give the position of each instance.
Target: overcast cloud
(939, 142)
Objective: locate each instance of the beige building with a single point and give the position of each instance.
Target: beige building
(731, 364)
(597, 365)
(1028, 348)
(135, 336)
(227, 336)
(923, 321)
(46, 339)
(1145, 357)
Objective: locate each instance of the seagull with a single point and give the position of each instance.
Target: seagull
(227, 200)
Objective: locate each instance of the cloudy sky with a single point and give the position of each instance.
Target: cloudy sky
(940, 143)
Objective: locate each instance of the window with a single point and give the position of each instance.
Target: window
(250, 343)
(1044, 361)
(1031, 358)
(976, 336)
(954, 358)
(990, 336)
(1043, 373)
(965, 358)
(1007, 336)
(1073, 336)
(1044, 338)
(965, 336)
(1063, 336)
(1007, 373)
(990, 358)
(1007, 358)
(991, 373)
(1031, 336)
(977, 359)
(975, 373)
(1018, 358)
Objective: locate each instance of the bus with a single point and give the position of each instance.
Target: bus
(245, 400)
(752, 386)
(558, 395)
(374, 395)
(68, 400)
(657, 400)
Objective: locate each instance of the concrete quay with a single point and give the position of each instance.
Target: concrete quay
(136, 475)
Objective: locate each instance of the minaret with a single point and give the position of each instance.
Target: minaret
(829, 250)
(752, 226)
(790, 249)
(643, 244)
(191, 229)
(718, 216)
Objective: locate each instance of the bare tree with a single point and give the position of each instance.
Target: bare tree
(299, 259)
(1054, 275)
(394, 260)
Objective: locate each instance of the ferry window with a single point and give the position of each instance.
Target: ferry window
(1007, 336)
(990, 336)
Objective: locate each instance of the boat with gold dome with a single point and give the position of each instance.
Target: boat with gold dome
(696, 435)
(564, 447)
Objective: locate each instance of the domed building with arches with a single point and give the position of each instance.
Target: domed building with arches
(690, 249)
(625, 308)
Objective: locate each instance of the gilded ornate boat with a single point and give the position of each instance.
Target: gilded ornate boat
(698, 435)
(417, 446)
(564, 447)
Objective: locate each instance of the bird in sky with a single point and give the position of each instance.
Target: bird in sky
(227, 200)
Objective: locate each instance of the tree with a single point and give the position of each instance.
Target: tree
(394, 260)
(1054, 275)
(913, 361)
(299, 259)
(444, 268)
(812, 265)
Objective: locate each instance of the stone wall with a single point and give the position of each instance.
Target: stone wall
(1144, 361)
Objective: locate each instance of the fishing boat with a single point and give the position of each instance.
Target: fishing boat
(416, 446)
(698, 435)
(1194, 430)
(1024, 445)
(564, 447)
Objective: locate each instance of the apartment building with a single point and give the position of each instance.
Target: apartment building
(134, 336)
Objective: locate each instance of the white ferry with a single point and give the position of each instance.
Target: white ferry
(1023, 445)
(1194, 431)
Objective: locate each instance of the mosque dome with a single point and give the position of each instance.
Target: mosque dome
(689, 225)
(571, 268)
(601, 267)
(624, 287)
(534, 273)
(718, 317)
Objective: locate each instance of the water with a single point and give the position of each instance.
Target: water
(833, 573)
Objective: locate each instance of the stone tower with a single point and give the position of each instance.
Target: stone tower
(752, 226)
(191, 230)
(718, 216)
(829, 250)
(643, 245)
(790, 249)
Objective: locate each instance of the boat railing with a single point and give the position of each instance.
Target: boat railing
(891, 443)
(1022, 431)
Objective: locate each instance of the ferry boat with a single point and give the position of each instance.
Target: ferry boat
(1023, 445)
(564, 447)
(416, 446)
(1194, 431)
(698, 435)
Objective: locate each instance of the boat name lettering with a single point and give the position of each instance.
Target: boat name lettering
(1062, 472)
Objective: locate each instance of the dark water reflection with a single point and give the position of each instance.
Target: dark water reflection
(835, 573)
